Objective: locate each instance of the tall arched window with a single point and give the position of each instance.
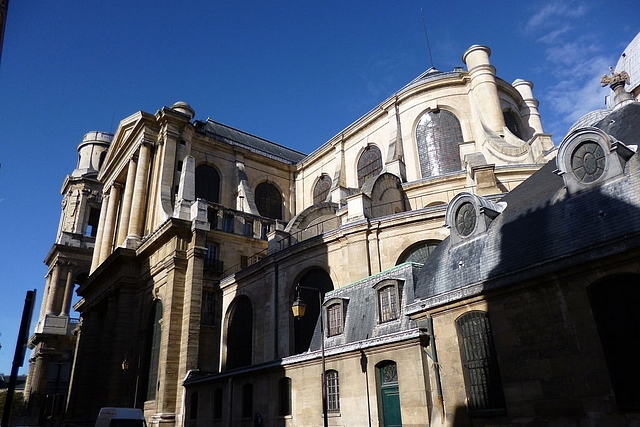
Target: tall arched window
(240, 334)
(321, 190)
(333, 391)
(247, 400)
(479, 363)
(513, 123)
(306, 325)
(154, 352)
(614, 301)
(438, 135)
(207, 184)
(269, 200)
(369, 164)
(284, 386)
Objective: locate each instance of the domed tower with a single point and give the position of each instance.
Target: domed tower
(68, 261)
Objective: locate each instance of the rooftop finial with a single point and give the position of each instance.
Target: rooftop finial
(616, 82)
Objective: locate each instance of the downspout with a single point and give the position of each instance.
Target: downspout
(434, 357)
(275, 310)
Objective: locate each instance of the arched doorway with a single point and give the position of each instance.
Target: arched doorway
(387, 376)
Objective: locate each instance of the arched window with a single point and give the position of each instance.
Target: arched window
(369, 164)
(268, 201)
(479, 363)
(154, 352)
(321, 190)
(418, 252)
(513, 123)
(207, 184)
(240, 334)
(285, 396)
(306, 325)
(614, 301)
(438, 134)
(333, 391)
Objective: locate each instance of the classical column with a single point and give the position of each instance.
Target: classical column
(127, 199)
(109, 227)
(68, 291)
(138, 204)
(53, 289)
(95, 260)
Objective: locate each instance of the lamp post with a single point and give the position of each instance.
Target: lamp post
(299, 308)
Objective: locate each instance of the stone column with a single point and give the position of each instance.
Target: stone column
(68, 291)
(484, 91)
(109, 227)
(127, 199)
(95, 260)
(53, 289)
(136, 222)
(530, 111)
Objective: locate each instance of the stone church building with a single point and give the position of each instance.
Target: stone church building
(191, 240)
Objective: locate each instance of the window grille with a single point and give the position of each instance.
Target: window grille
(268, 201)
(369, 164)
(438, 136)
(479, 363)
(321, 190)
(333, 391)
(208, 308)
(334, 315)
(388, 303)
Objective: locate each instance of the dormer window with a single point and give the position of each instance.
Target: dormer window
(335, 314)
(388, 300)
(470, 215)
(588, 156)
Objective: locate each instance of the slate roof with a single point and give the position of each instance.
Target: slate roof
(361, 320)
(250, 142)
(543, 229)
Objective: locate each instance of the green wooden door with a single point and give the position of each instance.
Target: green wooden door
(389, 395)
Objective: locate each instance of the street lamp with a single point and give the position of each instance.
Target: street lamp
(299, 309)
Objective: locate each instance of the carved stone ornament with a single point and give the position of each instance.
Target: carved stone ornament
(614, 78)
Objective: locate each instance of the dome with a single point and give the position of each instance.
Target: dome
(630, 62)
(589, 119)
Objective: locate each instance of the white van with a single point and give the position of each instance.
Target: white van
(120, 417)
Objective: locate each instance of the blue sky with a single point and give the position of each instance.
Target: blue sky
(295, 73)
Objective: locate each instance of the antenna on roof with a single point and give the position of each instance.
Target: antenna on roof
(426, 36)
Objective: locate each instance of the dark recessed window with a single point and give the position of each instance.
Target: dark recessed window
(247, 400)
(369, 164)
(614, 301)
(207, 184)
(285, 396)
(268, 201)
(240, 334)
(208, 308)
(438, 136)
(217, 404)
(479, 364)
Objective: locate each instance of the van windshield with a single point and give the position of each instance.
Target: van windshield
(124, 422)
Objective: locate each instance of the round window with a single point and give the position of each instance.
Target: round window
(588, 161)
(465, 219)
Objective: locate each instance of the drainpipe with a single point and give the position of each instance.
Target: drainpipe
(434, 357)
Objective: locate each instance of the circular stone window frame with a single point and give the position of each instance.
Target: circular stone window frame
(615, 156)
(485, 212)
